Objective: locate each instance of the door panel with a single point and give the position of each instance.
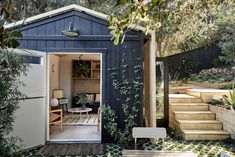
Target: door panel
(30, 123)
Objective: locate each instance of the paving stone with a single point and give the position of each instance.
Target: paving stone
(201, 148)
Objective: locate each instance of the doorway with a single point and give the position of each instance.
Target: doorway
(74, 79)
(162, 91)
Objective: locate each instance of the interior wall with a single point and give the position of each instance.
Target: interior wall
(66, 80)
(54, 65)
(86, 86)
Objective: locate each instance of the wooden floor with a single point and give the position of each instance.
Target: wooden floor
(76, 119)
(75, 133)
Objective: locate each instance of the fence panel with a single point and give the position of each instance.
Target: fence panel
(183, 64)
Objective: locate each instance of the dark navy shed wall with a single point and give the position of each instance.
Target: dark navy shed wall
(45, 35)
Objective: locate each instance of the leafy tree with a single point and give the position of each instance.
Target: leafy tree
(11, 67)
(217, 28)
(224, 30)
(28, 8)
(179, 24)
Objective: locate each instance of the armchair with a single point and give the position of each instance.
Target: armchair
(56, 116)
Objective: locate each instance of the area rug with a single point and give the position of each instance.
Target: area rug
(90, 119)
(72, 149)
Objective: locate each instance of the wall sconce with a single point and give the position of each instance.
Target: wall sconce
(71, 32)
(53, 68)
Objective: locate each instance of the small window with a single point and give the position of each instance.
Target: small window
(32, 59)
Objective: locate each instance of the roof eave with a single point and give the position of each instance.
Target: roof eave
(65, 9)
(55, 12)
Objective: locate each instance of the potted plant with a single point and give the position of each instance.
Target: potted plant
(82, 98)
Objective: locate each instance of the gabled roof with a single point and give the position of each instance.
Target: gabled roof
(62, 10)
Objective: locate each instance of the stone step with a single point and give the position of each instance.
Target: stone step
(194, 115)
(189, 107)
(183, 98)
(205, 135)
(200, 125)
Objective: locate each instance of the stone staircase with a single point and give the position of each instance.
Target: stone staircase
(190, 117)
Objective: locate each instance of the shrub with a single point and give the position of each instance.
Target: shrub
(214, 75)
(226, 29)
(11, 67)
(231, 99)
(217, 62)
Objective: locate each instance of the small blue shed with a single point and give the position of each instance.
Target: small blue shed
(42, 33)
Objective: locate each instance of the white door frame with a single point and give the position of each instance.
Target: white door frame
(47, 137)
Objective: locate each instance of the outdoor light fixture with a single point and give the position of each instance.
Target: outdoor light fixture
(71, 32)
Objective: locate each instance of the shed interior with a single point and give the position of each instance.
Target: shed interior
(76, 75)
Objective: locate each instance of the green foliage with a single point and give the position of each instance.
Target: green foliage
(7, 38)
(217, 101)
(178, 24)
(28, 8)
(217, 27)
(217, 62)
(214, 75)
(231, 99)
(226, 30)
(82, 98)
(12, 66)
(128, 96)
(132, 12)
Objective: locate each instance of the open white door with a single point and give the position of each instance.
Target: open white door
(30, 123)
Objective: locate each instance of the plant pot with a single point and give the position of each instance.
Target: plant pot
(83, 107)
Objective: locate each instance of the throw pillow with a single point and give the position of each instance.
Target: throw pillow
(90, 98)
(97, 98)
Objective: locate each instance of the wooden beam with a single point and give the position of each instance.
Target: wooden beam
(150, 82)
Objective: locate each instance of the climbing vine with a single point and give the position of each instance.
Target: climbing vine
(128, 96)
